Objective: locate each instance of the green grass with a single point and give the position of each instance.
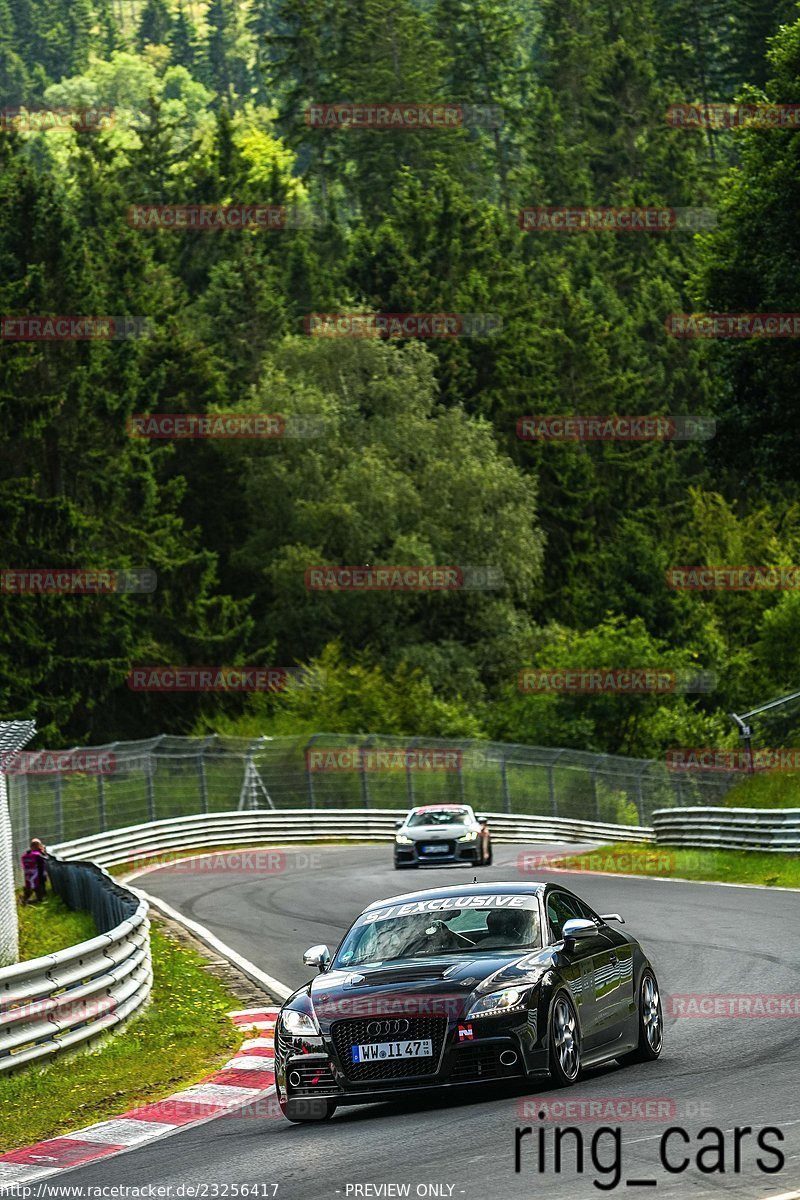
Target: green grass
(683, 862)
(182, 1035)
(767, 789)
(50, 926)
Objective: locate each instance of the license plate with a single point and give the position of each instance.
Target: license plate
(380, 1051)
(435, 849)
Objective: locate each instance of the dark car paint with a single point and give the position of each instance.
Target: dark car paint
(607, 1015)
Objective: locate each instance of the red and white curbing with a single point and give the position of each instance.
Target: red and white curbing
(247, 1078)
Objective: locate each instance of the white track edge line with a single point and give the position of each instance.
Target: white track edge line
(209, 939)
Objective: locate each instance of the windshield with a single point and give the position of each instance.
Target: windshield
(442, 926)
(439, 816)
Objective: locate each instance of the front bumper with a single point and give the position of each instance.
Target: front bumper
(501, 1048)
(415, 854)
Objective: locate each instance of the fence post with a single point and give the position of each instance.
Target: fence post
(410, 773)
(364, 785)
(201, 774)
(551, 783)
(59, 807)
(312, 802)
(504, 783)
(101, 803)
(151, 793)
(13, 736)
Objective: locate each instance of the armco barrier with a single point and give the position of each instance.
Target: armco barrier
(775, 829)
(61, 1000)
(303, 825)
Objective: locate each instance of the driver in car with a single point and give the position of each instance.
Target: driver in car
(510, 927)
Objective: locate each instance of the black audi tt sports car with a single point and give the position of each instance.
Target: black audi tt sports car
(463, 985)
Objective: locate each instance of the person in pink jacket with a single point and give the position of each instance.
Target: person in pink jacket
(34, 870)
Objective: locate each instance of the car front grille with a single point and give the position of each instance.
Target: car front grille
(347, 1034)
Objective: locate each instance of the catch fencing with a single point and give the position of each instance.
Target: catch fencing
(73, 996)
(67, 795)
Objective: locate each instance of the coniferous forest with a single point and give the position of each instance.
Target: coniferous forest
(412, 453)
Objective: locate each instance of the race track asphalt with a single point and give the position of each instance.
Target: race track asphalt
(722, 1072)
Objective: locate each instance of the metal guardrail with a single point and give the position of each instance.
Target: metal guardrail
(72, 996)
(775, 829)
(140, 842)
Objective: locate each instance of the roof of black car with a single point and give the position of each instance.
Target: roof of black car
(531, 888)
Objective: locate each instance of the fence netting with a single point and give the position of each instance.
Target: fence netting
(63, 795)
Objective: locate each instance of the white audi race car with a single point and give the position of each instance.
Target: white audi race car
(442, 833)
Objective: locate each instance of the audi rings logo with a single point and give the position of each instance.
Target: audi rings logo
(386, 1028)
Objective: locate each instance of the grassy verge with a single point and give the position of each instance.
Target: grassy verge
(170, 856)
(50, 926)
(766, 789)
(182, 1035)
(682, 862)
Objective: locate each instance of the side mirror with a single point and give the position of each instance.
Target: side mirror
(481, 818)
(612, 917)
(317, 956)
(576, 930)
(399, 824)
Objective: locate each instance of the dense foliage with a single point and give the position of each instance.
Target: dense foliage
(416, 458)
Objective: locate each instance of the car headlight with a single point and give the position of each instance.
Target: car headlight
(469, 837)
(402, 840)
(512, 999)
(298, 1023)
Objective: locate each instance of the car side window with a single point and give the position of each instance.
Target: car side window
(587, 913)
(560, 908)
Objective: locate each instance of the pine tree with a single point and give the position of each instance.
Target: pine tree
(183, 39)
(155, 24)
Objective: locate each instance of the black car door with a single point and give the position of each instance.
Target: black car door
(597, 962)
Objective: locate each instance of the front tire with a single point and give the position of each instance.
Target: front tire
(651, 1022)
(565, 1042)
